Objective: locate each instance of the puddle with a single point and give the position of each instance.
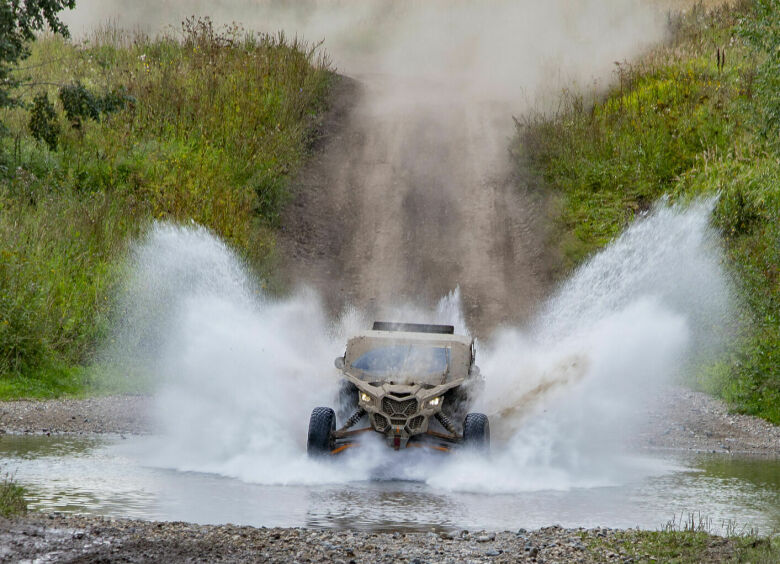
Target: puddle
(99, 475)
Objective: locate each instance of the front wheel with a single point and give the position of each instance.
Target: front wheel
(322, 425)
(476, 432)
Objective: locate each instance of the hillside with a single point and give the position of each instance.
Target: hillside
(698, 116)
(117, 131)
(211, 125)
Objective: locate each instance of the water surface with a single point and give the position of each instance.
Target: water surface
(100, 475)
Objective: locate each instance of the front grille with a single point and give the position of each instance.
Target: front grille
(380, 422)
(416, 422)
(396, 408)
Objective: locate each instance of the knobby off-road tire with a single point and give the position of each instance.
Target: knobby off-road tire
(476, 433)
(322, 425)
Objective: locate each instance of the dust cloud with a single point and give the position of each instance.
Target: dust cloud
(413, 193)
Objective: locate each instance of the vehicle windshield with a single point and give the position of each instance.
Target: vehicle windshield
(405, 363)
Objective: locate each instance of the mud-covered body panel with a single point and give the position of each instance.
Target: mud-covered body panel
(403, 402)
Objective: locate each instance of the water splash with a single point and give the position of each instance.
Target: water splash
(568, 392)
(239, 373)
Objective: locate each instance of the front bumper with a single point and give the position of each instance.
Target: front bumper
(430, 440)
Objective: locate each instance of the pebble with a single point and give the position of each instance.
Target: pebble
(93, 539)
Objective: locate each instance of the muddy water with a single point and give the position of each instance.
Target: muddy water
(102, 476)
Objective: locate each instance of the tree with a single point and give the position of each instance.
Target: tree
(19, 20)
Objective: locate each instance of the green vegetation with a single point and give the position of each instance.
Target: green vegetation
(11, 497)
(18, 23)
(698, 116)
(687, 544)
(121, 130)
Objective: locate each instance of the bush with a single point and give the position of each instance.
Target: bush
(43, 121)
(79, 103)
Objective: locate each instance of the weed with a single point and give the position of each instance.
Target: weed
(685, 539)
(12, 500)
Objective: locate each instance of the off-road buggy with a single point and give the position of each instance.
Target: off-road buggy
(411, 383)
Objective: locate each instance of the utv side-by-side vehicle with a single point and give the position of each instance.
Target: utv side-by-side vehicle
(412, 383)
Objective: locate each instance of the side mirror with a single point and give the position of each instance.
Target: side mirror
(339, 362)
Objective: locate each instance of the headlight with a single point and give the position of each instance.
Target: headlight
(435, 402)
(364, 397)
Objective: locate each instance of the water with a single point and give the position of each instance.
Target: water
(237, 373)
(103, 476)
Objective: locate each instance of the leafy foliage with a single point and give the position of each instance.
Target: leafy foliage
(43, 121)
(19, 20)
(79, 103)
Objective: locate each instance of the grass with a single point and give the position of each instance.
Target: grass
(685, 540)
(12, 500)
(206, 125)
(682, 123)
(686, 547)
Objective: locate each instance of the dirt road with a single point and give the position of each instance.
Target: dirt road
(401, 203)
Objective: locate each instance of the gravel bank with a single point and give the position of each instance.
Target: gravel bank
(60, 538)
(683, 420)
(688, 420)
(112, 414)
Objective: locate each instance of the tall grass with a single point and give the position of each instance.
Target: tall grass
(214, 123)
(12, 500)
(683, 121)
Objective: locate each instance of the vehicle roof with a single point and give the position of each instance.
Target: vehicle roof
(412, 337)
(459, 345)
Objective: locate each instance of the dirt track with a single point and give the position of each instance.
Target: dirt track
(400, 204)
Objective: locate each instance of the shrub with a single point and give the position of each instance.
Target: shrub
(43, 121)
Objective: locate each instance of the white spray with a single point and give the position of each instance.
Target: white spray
(239, 373)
